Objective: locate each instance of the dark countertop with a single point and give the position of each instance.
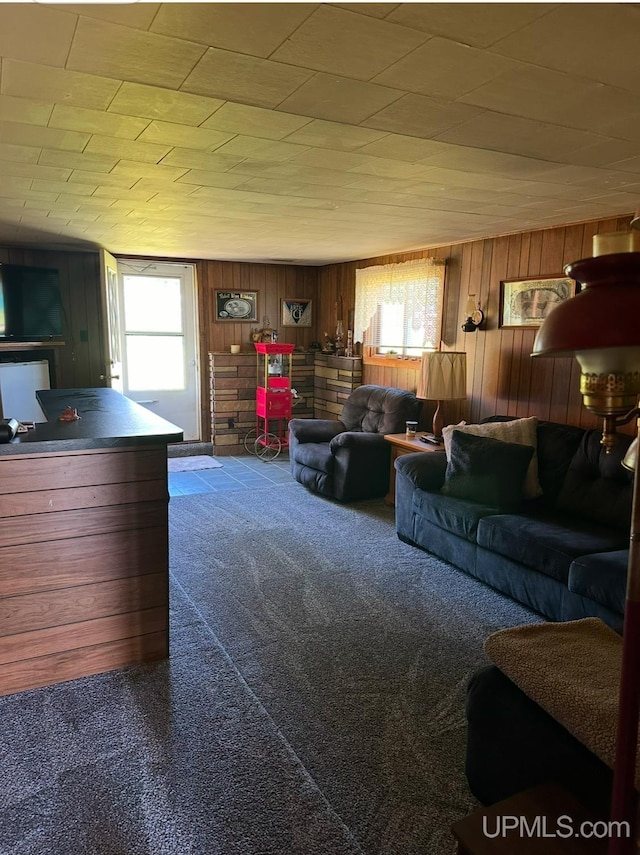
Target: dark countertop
(107, 420)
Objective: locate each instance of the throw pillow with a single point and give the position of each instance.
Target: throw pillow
(521, 431)
(482, 469)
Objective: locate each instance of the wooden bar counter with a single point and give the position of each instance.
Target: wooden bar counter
(83, 540)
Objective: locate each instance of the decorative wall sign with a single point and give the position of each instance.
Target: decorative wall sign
(527, 302)
(236, 305)
(296, 313)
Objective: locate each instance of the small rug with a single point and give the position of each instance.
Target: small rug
(190, 464)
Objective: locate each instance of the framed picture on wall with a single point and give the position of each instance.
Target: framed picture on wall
(236, 306)
(296, 313)
(527, 302)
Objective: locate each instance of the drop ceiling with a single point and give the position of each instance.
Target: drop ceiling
(312, 133)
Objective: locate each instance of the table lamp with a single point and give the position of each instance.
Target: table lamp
(600, 327)
(443, 377)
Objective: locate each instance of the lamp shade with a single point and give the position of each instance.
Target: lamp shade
(443, 376)
(606, 313)
(600, 326)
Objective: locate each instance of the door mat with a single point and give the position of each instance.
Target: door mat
(190, 464)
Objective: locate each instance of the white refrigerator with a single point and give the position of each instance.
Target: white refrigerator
(19, 382)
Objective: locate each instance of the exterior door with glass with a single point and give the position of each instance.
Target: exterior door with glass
(160, 365)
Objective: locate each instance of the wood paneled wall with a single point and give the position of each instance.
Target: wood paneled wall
(501, 375)
(81, 360)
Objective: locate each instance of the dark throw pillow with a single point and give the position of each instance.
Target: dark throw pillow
(490, 471)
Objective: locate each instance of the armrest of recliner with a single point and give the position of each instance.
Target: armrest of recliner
(315, 430)
(358, 440)
(424, 470)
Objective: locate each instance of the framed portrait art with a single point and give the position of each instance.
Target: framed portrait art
(527, 302)
(236, 305)
(296, 313)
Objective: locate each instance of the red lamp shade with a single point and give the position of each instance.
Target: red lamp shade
(600, 326)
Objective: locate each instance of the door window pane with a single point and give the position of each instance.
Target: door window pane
(152, 304)
(155, 362)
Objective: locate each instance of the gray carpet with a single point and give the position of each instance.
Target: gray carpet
(313, 704)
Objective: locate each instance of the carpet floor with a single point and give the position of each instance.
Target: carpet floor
(312, 705)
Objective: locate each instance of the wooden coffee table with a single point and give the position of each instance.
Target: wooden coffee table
(401, 444)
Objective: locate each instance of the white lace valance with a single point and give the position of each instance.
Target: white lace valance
(403, 300)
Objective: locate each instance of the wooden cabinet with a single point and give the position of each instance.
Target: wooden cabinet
(83, 563)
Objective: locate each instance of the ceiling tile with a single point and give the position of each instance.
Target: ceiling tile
(249, 28)
(25, 110)
(259, 148)
(182, 135)
(603, 152)
(35, 170)
(190, 159)
(96, 122)
(630, 164)
(165, 189)
(374, 10)
(27, 80)
(18, 153)
(338, 99)
(110, 179)
(34, 135)
(334, 135)
(254, 121)
(137, 99)
(77, 160)
(399, 147)
(308, 174)
(35, 33)
(577, 103)
(551, 40)
(468, 159)
(479, 24)
(202, 178)
(109, 50)
(127, 149)
(137, 15)
(248, 79)
(338, 41)
(135, 170)
(444, 69)
(417, 115)
(518, 136)
(63, 187)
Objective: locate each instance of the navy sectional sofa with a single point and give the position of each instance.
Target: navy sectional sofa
(563, 554)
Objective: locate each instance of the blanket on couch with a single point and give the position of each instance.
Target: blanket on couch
(572, 670)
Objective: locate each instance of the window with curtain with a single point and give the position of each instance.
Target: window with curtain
(399, 306)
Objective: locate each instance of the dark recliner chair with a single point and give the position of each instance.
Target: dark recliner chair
(349, 459)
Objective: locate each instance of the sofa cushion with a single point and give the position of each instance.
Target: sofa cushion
(482, 469)
(597, 487)
(316, 455)
(521, 431)
(601, 577)
(546, 541)
(379, 409)
(453, 515)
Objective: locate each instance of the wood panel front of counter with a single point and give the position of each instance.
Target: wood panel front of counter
(83, 563)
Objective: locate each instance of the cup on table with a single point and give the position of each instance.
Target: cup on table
(412, 427)
(235, 348)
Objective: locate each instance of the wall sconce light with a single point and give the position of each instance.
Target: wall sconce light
(475, 315)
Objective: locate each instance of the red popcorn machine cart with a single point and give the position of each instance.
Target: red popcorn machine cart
(274, 400)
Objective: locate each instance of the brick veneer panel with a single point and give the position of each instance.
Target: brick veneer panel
(232, 396)
(335, 379)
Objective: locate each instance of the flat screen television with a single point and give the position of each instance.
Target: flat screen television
(30, 304)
